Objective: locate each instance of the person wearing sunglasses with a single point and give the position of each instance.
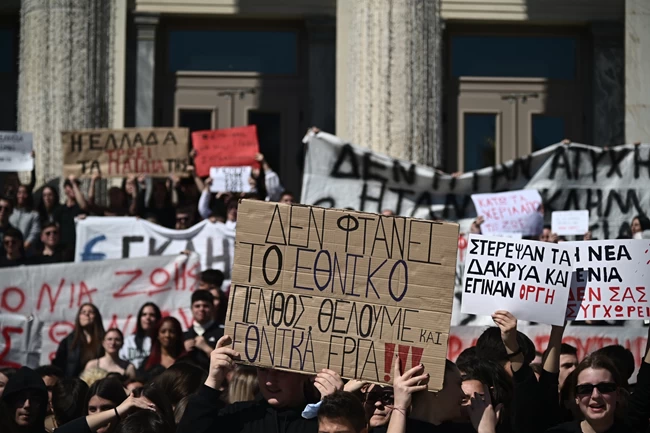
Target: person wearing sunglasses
(53, 250)
(14, 249)
(598, 396)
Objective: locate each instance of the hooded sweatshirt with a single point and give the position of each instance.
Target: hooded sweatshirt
(27, 379)
(245, 417)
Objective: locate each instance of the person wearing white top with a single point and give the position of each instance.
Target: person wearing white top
(137, 347)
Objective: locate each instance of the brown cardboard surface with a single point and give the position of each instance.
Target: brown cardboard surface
(124, 152)
(317, 288)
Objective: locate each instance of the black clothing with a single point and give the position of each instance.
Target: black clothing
(6, 263)
(27, 380)
(61, 254)
(65, 216)
(574, 427)
(68, 359)
(79, 425)
(256, 416)
(211, 335)
(417, 426)
(2, 235)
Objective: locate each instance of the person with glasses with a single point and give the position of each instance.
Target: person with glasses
(184, 218)
(14, 249)
(53, 250)
(25, 398)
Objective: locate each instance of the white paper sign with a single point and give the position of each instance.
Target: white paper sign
(611, 280)
(528, 278)
(230, 179)
(570, 222)
(16, 151)
(508, 235)
(512, 211)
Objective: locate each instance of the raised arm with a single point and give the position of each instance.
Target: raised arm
(78, 195)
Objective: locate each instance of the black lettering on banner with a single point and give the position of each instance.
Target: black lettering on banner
(278, 253)
(451, 201)
(126, 244)
(475, 178)
(436, 180)
(616, 158)
(595, 200)
(452, 183)
(401, 192)
(368, 164)
(138, 140)
(577, 157)
(326, 202)
(639, 162)
(346, 154)
(400, 172)
(170, 137)
(631, 200)
(560, 161)
(211, 258)
(424, 200)
(76, 142)
(364, 197)
(94, 141)
(153, 251)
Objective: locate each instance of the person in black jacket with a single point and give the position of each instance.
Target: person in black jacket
(83, 344)
(278, 408)
(25, 397)
(202, 337)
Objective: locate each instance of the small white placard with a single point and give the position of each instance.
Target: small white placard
(16, 151)
(570, 222)
(230, 179)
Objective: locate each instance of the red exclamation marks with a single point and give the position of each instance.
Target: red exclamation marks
(388, 360)
(403, 352)
(416, 357)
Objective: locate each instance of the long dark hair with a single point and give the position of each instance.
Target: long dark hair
(141, 333)
(92, 350)
(109, 389)
(179, 381)
(156, 351)
(158, 397)
(42, 212)
(29, 202)
(68, 396)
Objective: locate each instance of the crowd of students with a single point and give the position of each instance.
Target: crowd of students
(45, 232)
(162, 380)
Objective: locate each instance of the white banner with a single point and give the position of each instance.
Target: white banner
(100, 238)
(16, 151)
(610, 281)
(47, 297)
(528, 278)
(613, 184)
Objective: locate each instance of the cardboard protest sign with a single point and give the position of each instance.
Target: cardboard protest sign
(530, 279)
(231, 147)
(100, 238)
(124, 152)
(16, 151)
(233, 179)
(317, 288)
(512, 211)
(610, 280)
(570, 222)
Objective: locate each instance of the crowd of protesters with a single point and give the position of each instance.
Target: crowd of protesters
(164, 379)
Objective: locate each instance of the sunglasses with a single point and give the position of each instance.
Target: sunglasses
(386, 397)
(602, 387)
(51, 233)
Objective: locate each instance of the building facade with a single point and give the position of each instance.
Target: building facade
(459, 84)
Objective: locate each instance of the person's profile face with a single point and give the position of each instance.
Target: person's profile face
(636, 226)
(336, 425)
(281, 388)
(568, 363)
(28, 406)
(3, 383)
(378, 404)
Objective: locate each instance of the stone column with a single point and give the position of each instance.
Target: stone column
(637, 64)
(609, 83)
(393, 77)
(65, 79)
(321, 35)
(146, 26)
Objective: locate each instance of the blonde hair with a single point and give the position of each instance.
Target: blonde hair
(243, 386)
(93, 375)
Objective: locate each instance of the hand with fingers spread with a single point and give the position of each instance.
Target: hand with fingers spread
(482, 414)
(222, 360)
(405, 385)
(326, 382)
